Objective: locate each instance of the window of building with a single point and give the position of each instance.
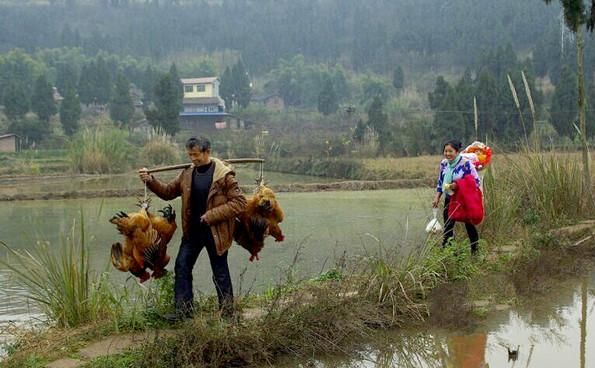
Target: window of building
(189, 88)
(200, 88)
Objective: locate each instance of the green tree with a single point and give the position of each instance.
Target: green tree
(86, 86)
(42, 102)
(147, 84)
(241, 84)
(16, 102)
(168, 100)
(487, 93)
(564, 110)
(448, 121)
(378, 120)
(226, 88)
(176, 85)
(465, 93)
(398, 78)
(359, 131)
(327, 99)
(70, 111)
(66, 76)
(31, 128)
(437, 96)
(102, 82)
(121, 107)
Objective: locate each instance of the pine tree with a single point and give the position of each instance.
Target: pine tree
(121, 106)
(448, 121)
(464, 91)
(564, 110)
(241, 83)
(487, 93)
(148, 85)
(226, 88)
(437, 96)
(359, 131)
(327, 99)
(66, 77)
(378, 121)
(42, 102)
(16, 102)
(70, 111)
(176, 85)
(168, 100)
(86, 85)
(103, 82)
(398, 78)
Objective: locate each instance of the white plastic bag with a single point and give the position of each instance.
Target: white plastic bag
(434, 225)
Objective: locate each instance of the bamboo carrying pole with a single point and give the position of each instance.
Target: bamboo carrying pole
(229, 161)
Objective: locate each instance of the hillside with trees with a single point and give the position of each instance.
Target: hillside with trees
(398, 76)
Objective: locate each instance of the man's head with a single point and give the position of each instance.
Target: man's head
(198, 150)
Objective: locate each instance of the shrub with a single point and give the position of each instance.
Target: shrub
(158, 152)
(99, 151)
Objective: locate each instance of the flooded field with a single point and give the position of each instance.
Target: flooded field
(319, 227)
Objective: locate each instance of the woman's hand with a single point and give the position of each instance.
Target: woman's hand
(436, 200)
(453, 186)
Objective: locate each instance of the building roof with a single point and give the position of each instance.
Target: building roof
(202, 101)
(8, 135)
(198, 80)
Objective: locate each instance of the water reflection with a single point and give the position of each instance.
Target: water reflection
(549, 332)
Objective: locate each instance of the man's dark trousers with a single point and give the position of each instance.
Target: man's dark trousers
(190, 248)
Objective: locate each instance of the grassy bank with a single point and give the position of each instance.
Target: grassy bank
(339, 309)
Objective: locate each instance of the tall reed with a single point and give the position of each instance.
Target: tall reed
(544, 189)
(99, 151)
(59, 281)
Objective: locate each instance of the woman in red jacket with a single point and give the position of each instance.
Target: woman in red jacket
(452, 168)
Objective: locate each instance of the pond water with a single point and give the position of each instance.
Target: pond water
(319, 227)
(552, 331)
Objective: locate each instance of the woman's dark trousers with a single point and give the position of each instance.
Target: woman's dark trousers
(449, 226)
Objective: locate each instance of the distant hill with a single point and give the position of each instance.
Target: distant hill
(362, 35)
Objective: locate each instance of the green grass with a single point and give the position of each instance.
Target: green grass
(60, 281)
(100, 151)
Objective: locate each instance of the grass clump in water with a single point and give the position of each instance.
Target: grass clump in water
(61, 282)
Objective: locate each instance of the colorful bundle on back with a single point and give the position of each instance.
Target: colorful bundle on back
(479, 154)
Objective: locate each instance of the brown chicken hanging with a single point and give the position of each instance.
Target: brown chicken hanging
(146, 236)
(261, 218)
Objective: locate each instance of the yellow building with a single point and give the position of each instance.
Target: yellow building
(202, 95)
(202, 105)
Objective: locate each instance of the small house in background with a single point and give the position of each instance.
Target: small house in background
(203, 108)
(10, 143)
(273, 101)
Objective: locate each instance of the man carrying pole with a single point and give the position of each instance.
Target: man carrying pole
(211, 200)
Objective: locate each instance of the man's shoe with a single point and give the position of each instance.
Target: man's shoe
(177, 316)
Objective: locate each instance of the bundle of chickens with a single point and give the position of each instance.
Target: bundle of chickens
(261, 218)
(146, 236)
